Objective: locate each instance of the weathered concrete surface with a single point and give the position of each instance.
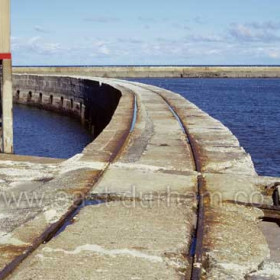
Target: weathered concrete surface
(230, 187)
(117, 241)
(147, 176)
(158, 71)
(272, 231)
(110, 144)
(56, 195)
(141, 183)
(32, 209)
(217, 148)
(270, 269)
(20, 176)
(145, 190)
(158, 139)
(236, 244)
(229, 175)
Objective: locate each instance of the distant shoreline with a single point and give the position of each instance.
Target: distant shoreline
(259, 71)
(192, 66)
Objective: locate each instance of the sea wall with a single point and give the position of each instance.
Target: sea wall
(158, 71)
(130, 198)
(92, 102)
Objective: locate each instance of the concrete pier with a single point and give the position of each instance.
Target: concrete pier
(126, 207)
(158, 71)
(6, 78)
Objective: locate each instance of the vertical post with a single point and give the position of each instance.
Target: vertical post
(6, 88)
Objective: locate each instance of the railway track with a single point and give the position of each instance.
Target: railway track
(271, 213)
(151, 114)
(118, 149)
(79, 202)
(195, 254)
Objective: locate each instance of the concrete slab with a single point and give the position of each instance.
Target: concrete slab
(271, 231)
(211, 139)
(230, 187)
(140, 243)
(154, 129)
(234, 244)
(33, 215)
(267, 271)
(132, 183)
(270, 269)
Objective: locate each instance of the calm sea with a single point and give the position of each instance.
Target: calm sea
(249, 107)
(41, 133)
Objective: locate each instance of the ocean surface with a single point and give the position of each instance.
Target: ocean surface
(249, 107)
(41, 133)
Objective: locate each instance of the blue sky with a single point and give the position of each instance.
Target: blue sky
(122, 32)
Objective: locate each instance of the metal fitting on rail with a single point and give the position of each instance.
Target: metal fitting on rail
(275, 187)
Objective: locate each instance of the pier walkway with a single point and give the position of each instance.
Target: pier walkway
(150, 198)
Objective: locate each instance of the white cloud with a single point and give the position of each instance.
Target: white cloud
(249, 33)
(35, 45)
(273, 53)
(41, 29)
(146, 19)
(130, 40)
(205, 38)
(267, 25)
(102, 19)
(104, 50)
(220, 48)
(199, 20)
(241, 32)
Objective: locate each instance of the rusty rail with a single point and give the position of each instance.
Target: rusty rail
(197, 258)
(51, 231)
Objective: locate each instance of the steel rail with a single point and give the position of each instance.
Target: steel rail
(197, 258)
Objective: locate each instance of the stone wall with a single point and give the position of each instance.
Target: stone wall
(92, 102)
